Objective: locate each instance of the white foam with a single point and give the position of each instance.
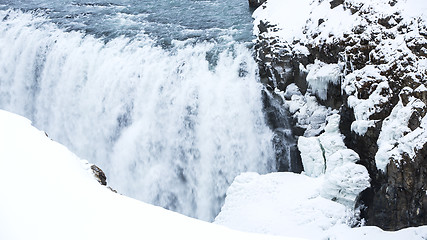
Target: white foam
(168, 127)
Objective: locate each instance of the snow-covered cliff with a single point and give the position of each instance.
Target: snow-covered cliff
(366, 61)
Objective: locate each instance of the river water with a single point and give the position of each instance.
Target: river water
(162, 95)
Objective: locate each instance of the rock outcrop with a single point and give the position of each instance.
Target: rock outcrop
(371, 68)
(99, 174)
(255, 3)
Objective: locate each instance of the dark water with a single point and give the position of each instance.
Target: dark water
(164, 21)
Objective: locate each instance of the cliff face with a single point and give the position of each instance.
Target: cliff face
(366, 61)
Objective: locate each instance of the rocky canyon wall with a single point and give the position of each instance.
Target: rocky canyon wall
(366, 61)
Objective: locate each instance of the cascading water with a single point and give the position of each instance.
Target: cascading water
(170, 122)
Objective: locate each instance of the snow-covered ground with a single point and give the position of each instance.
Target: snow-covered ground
(317, 204)
(47, 192)
(290, 204)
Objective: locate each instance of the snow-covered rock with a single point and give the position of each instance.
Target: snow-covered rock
(366, 60)
(306, 111)
(397, 137)
(292, 205)
(320, 75)
(327, 155)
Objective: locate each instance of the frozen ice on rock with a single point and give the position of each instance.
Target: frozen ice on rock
(320, 75)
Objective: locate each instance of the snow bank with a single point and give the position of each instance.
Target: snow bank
(296, 19)
(292, 205)
(47, 192)
(281, 204)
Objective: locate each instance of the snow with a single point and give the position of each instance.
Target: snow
(361, 126)
(331, 175)
(415, 8)
(289, 15)
(364, 108)
(421, 88)
(342, 21)
(280, 204)
(320, 75)
(327, 155)
(344, 183)
(306, 110)
(317, 151)
(312, 156)
(47, 192)
(292, 205)
(396, 137)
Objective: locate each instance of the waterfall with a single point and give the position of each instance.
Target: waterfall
(172, 127)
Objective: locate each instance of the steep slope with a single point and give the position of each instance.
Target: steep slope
(47, 192)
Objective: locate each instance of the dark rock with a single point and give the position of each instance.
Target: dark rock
(392, 2)
(364, 145)
(275, 61)
(397, 197)
(336, 3)
(256, 3)
(99, 175)
(415, 120)
(263, 27)
(334, 98)
(401, 201)
(287, 155)
(385, 21)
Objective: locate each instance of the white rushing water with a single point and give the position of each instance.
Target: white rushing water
(168, 127)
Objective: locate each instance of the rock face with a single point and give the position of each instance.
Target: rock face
(372, 70)
(284, 142)
(399, 200)
(255, 3)
(99, 175)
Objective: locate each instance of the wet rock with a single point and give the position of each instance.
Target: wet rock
(284, 142)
